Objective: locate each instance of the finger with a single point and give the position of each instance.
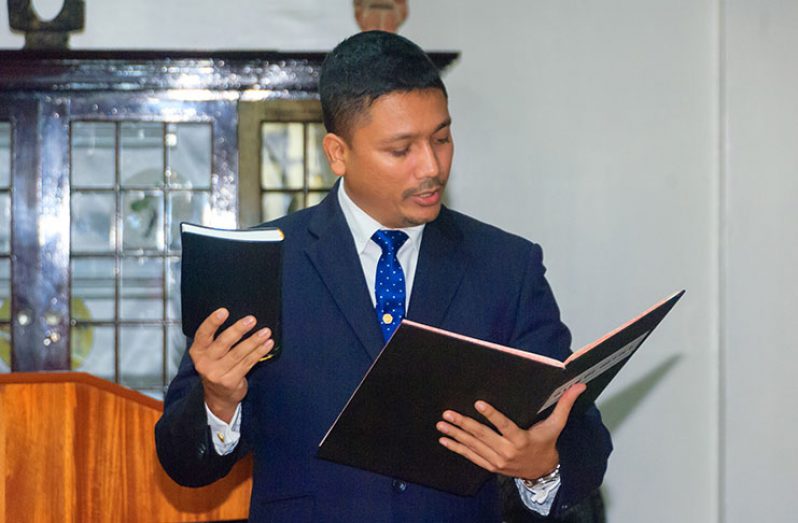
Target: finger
(505, 425)
(559, 417)
(240, 358)
(256, 355)
(232, 334)
(209, 326)
(231, 375)
(474, 435)
(472, 426)
(467, 453)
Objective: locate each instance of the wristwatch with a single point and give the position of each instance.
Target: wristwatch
(543, 481)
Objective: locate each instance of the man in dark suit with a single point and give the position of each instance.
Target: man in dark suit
(389, 139)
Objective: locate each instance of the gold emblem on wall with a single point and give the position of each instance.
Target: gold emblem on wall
(385, 15)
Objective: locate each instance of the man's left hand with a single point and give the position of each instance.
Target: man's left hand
(512, 451)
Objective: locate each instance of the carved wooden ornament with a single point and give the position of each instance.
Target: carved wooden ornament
(385, 15)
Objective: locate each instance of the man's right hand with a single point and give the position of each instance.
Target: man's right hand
(222, 367)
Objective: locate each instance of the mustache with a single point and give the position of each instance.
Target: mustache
(428, 185)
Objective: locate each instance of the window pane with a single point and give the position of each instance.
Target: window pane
(93, 222)
(186, 206)
(5, 289)
(142, 215)
(177, 347)
(93, 150)
(281, 157)
(142, 289)
(280, 204)
(5, 223)
(5, 348)
(92, 289)
(93, 350)
(141, 357)
(141, 154)
(319, 174)
(315, 198)
(189, 155)
(5, 315)
(5, 154)
(173, 290)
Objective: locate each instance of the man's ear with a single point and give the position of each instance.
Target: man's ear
(336, 150)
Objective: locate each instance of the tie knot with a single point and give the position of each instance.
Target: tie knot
(389, 241)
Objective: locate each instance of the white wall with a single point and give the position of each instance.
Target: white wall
(298, 25)
(648, 145)
(590, 127)
(761, 255)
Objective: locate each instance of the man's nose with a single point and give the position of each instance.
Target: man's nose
(428, 164)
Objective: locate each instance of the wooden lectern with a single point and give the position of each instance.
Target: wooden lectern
(77, 448)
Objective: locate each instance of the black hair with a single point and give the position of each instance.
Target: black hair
(366, 66)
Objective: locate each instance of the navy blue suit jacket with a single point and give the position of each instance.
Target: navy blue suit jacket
(471, 278)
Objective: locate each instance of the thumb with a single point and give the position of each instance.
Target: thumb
(559, 417)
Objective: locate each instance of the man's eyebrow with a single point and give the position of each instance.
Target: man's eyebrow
(406, 136)
(444, 124)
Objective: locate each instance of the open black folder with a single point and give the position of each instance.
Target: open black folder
(237, 269)
(388, 425)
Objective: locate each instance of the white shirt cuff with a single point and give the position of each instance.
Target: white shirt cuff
(539, 498)
(225, 436)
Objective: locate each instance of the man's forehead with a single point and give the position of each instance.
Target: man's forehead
(407, 112)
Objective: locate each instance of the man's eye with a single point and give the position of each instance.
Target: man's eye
(446, 139)
(400, 152)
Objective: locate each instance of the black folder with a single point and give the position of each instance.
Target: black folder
(388, 425)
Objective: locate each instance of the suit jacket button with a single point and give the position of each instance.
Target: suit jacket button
(399, 486)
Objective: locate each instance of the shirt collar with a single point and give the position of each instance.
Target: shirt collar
(364, 226)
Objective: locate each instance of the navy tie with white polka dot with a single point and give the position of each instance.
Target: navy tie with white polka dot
(390, 282)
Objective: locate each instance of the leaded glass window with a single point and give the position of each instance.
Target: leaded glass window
(283, 167)
(132, 183)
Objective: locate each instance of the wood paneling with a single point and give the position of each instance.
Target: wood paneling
(77, 448)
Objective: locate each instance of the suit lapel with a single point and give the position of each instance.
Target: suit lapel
(334, 256)
(439, 272)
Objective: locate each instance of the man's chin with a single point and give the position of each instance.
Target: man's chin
(426, 215)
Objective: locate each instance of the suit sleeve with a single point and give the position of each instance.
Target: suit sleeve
(183, 438)
(584, 445)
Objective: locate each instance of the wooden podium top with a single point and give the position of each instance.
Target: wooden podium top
(84, 378)
(74, 447)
